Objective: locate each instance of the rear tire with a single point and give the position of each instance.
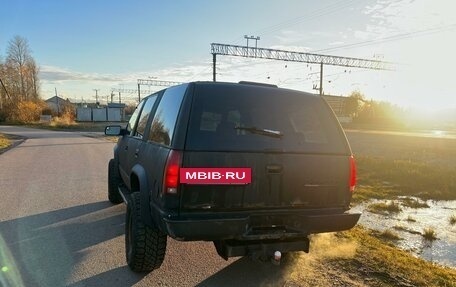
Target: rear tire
(114, 180)
(145, 246)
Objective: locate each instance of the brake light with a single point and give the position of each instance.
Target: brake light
(171, 176)
(352, 179)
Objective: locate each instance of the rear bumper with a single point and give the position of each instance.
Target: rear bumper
(273, 226)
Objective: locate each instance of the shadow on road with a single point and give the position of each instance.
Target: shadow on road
(113, 277)
(46, 247)
(63, 144)
(246, 272)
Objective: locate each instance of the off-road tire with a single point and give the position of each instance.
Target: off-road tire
(114, 180)
(145, 246)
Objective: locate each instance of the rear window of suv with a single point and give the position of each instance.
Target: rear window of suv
(251, 118)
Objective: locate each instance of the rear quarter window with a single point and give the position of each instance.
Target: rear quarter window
(164, 122)
(134, 117)
(244, 118)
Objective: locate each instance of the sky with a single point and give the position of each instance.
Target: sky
(85, 45)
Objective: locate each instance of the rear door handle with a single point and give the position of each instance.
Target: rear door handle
(136, 153)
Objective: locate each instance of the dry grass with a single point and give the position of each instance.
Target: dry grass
(414, 203)
(452, 219)
(391, 266)
(392, 165)
(389, 235)
(405, 229)
(383, 178)
(384, 207)
(411, 219)
(429, 234)
(4, 141)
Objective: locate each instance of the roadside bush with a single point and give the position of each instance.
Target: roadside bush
(23, 111)
(67, 116)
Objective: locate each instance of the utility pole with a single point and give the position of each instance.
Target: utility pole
(96, 95)
(321, 79)
(214, 61)
(57, 101)
(252, 38)
(139, 92)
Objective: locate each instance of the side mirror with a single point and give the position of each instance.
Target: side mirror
(114, 131)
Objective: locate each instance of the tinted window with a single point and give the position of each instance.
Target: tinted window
(164, 122)
(240, 118)
(144, 117)
(132, 122)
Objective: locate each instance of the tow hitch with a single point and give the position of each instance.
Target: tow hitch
(276, 258)
(260, 250)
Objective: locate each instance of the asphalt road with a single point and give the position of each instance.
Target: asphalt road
(58, 229)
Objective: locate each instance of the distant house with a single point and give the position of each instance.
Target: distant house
(56, 104)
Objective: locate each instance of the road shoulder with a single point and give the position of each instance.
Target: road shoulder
(14, 140)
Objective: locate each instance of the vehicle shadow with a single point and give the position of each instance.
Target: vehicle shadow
(247, 272)
(113, 277)
(43, 249)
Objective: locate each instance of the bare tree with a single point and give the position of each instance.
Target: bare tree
(21, 70)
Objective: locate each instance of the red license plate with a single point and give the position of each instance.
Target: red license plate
(234, 175)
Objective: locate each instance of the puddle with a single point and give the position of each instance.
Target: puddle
(410, 223)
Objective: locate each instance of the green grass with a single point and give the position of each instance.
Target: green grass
(384, 178)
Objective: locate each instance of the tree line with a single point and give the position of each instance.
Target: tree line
(372, 112)
(19, 83)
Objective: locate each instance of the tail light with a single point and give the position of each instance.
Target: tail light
(171, 176)
(352, 179)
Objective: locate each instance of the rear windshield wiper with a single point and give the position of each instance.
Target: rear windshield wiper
(264, 132)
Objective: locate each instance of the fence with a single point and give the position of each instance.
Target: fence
(100, 114)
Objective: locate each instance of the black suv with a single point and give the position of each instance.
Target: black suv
(252, 167)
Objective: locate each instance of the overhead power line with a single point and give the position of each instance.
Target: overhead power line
(308, 16)
(312, 58)
(291, 56)
(130, 91)
(157, 83)
(391, 38)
